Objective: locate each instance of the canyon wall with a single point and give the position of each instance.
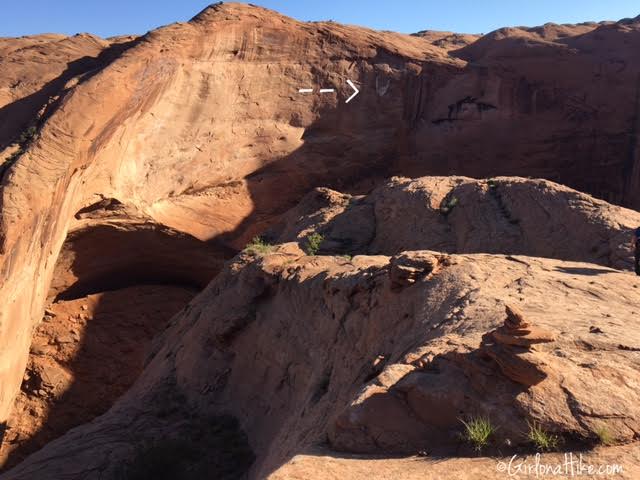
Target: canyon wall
(197, 133)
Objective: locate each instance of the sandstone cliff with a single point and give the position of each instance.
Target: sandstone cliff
(153, 160)
(195, 126)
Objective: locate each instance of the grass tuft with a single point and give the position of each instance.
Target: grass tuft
(27, 136)
(448, 205)
(605, 437)
(478, 431)
(543, 440)
(258, 246)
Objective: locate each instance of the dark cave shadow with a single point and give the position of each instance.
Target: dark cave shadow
(15, 117)
(106, 257)
(584, 270)
(110, 357)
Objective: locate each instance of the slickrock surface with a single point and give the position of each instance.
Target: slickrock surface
(152, 160)
(36, 70)
(325, 465)
(463, 215)
(447, 40)
(196, 125)
(301, 349)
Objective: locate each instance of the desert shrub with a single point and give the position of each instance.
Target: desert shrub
(27, 136)
(605, 437)
(258, 246)
(313, 243)
(478, 431)
(14, 156)
(448, 205)
(543, 440)
(10, 160)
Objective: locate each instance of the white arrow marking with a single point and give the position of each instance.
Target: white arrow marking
(355, 91)
(305, 90)
(327, 90)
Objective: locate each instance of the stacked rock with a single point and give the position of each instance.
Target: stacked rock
(513, 350)
(517, 331)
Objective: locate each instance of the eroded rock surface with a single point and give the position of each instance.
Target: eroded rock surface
(136, 160)
(299, 348)
(460, 215)
(196, 125)
(84, 355)
(37, 70)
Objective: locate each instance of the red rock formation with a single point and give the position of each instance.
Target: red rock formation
(510, 347)
(299, 347)
(462, 215)
(517, 331)
(154, 159)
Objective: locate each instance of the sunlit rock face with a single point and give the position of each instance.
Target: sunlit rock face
(151, 160)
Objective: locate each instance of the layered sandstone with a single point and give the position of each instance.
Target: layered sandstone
(464, 215)
(195, 126)
(301, 349)
(152, 160)
(37, 70)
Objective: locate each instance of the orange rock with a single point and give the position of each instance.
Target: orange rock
(519, 364)
(517, 331)
(515, 318)
(524, 338)
(159, 163)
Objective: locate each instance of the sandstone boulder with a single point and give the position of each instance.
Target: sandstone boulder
(405, 269)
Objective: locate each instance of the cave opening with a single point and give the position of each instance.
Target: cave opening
(115, 287)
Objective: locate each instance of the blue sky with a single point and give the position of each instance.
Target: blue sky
(114, 17)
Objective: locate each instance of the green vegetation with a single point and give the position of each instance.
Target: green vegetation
(25, 138)
(258, 246)
(605, 437)
(478, 431)
(543, 440)
(13, 157)
(448, 205)
(313, 243)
